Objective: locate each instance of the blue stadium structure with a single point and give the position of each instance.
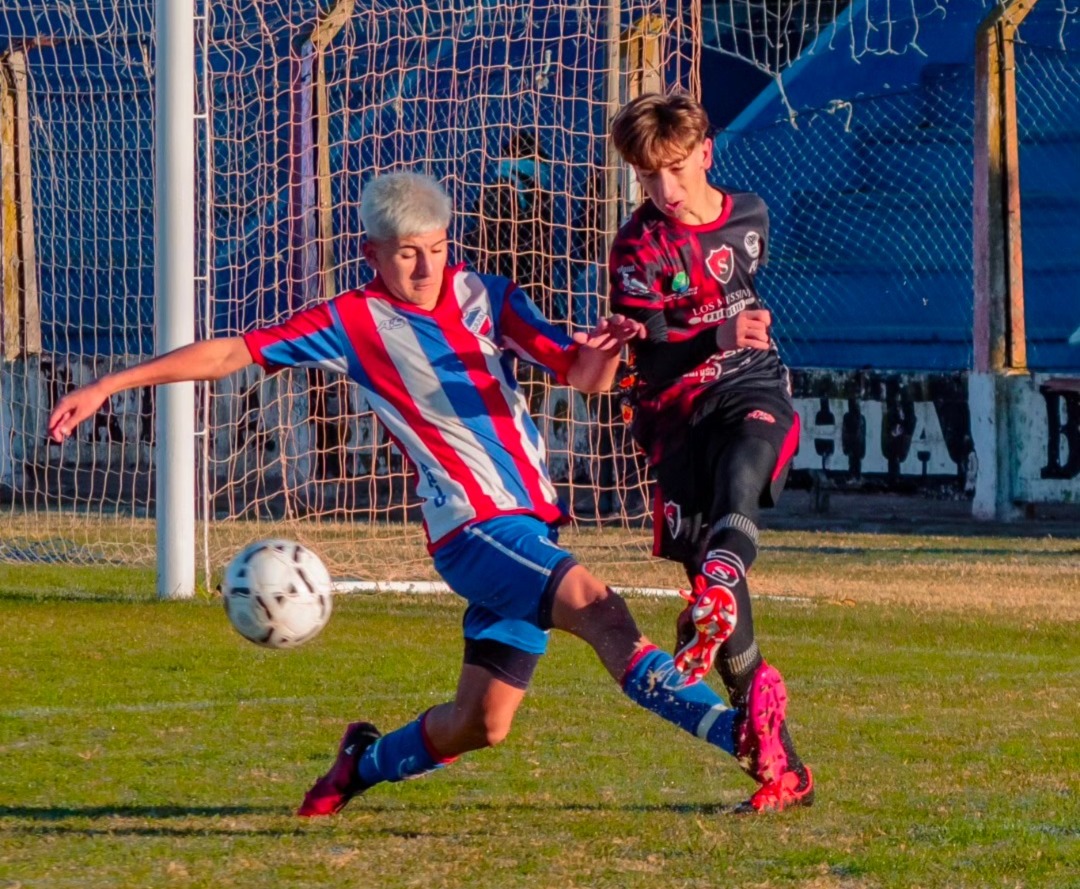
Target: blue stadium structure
(871, 189)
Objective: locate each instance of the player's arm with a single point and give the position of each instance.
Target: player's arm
(635, 292)
(597, 358)
(660, 358)
(585, 361)
(206, 360)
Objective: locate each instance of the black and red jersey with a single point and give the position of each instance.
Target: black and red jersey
(683, 281)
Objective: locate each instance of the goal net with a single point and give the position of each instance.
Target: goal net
(506, 101)
(300, 103)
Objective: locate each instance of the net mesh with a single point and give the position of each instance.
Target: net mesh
(870, 202)
(507, 102)
(1048, 120)
(84, 81)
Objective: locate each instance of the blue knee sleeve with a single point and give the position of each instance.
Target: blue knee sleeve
(655, 684)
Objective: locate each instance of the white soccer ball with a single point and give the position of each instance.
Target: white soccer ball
(277, 593)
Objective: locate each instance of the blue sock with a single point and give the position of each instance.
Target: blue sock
(655, 684)
(401, 754)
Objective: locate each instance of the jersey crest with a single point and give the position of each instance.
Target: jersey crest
(752, 243)
(673, 517)
(721, 263)
(478, 322)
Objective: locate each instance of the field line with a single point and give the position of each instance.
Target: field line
(430, 587)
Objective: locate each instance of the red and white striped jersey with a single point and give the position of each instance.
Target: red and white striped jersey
(443, 383)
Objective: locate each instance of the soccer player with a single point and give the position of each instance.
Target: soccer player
(711, 406)
(433, 347)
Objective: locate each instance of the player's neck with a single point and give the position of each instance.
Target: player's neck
(706, 209)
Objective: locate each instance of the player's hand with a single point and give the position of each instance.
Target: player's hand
(747, 330)
(611, 333)
(73, 408)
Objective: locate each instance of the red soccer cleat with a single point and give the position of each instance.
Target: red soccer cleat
(759, 747)
(703, 626)
(333, 790)
(794, 788)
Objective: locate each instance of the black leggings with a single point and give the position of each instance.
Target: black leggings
(743, 472)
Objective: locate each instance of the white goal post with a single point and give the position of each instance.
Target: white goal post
(174, 291)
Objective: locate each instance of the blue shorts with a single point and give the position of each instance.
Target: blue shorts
(508, 569)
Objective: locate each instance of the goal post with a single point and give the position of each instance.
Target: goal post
(21, 309)
(174, 292)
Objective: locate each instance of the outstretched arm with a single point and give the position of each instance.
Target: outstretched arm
(598, 356)
(205, 360)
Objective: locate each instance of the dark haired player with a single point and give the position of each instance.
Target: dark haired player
(711, 406)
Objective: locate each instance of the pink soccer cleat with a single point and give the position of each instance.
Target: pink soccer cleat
(332, 791)
(758, 745)
(703, 626)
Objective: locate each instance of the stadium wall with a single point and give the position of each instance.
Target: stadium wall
(863, 430)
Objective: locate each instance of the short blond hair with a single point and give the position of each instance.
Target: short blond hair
(400, 205)
(655, 130)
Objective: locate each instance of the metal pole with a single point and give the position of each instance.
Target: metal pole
(999, 335)
(174, 291)
(205, 275)
(612, 164)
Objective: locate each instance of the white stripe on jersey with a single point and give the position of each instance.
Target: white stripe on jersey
(471, 295)
(432, 403)
(439, 521)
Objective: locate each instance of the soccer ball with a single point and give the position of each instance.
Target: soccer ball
(277, 593)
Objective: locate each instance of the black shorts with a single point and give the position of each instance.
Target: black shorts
(686, 482)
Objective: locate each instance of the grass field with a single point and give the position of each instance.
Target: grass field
(935, 688)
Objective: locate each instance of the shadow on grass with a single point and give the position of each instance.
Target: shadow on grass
(710, 808)
(59, 813)
(48, 819)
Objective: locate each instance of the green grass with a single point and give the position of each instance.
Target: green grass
(146, 744)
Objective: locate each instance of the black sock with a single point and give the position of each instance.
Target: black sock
(737, 665)
(794, 761)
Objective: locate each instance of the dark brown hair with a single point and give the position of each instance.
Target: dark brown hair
(655, 130)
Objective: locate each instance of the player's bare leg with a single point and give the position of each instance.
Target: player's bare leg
(592, 611)
(479, 716)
